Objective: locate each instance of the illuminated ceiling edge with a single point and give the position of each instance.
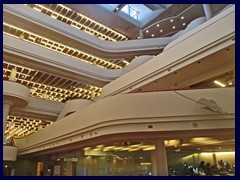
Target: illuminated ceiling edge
(17, 47)
(93, 42)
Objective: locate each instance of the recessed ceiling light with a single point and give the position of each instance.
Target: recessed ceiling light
(173, 27)
(157, 25)
(219, 83)
(152, 35)
(182, 17)
(147, 31)
(161, 30)
(171, 20)
(184, 24)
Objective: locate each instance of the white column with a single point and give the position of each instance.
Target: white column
(161, 158)
(140, 34)
(207, 11)
(93, 94)
(154, 163)
(13, 74)
(6, 107)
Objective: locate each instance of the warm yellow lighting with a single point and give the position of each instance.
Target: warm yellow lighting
(182, 17)
(135, 145)
(225, 153)
(64, 7)
(86, 148)
(100, 146)
(134, 149)
(126, 62)
(149, 148)
(152, 35)
(157, 25)
(113, 35)
(61, 48)
(171, 20)
(146, 164)
(147, 31)
(37, 9)
(173, 27)
(219, 83)
(161, 30)
(206, 153)
(184, 24)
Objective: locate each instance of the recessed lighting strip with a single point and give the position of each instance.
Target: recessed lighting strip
(46, 91)
(19, 127)
(57, 47)
(115, 36)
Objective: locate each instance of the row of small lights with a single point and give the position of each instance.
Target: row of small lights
(55, 94)
(30, 125)
(58, 47)
(133, 147)
(116, 36)
(161, 30)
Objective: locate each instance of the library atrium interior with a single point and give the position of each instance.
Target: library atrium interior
(118, 89)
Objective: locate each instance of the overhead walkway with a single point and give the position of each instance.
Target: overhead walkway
(176, 55)
(134, 116)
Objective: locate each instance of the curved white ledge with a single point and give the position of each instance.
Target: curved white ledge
(73, 106)
(132, 113)
(198, 44)
(15, 92)
(40, 109)
(9, 153)
(43, 20)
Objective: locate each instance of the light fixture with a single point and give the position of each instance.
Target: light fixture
(173, 27)
(152, 35)
(161, 30)
(147, 31)
(60, 48)
(182, 17)
(171, 20)
(184, 24)
(113, 35)
(157, 25)
(219, 83)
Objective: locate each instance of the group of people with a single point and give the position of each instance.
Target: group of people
(203, 169)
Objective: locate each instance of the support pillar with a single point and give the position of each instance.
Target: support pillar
(6, 107)
(154, 163)
(214, 159)
(13, 74)
(159, 159)
(140, 34)
(207, 11)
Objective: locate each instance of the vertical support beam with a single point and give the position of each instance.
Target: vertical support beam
(6, 107)
(93, 94)
(207, 11)
(140, 34)
(13, 74)
(159, 159)
(154, 163)
(214, 159)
